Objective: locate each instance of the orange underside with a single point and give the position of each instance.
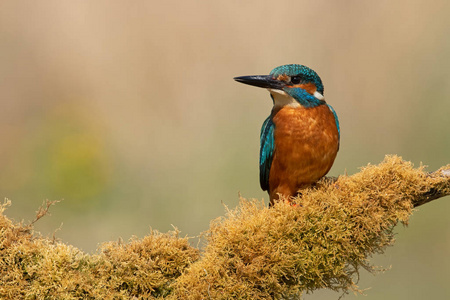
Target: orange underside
(306, 144)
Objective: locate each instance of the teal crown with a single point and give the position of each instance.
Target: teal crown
(306, 74)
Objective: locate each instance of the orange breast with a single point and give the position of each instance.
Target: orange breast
(306, 144)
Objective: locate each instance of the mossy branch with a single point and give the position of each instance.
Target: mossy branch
(251, 253)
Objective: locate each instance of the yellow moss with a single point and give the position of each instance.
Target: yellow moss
(259, 253)
(252, 253)
(38, 268)
(145, 267)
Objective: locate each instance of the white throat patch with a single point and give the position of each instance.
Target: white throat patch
(281, 98)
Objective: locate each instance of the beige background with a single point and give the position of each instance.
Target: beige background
(127, 110)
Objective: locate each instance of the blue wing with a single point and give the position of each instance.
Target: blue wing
(336, 119)
(266, 149)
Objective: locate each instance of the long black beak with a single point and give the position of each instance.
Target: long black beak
(264, 81)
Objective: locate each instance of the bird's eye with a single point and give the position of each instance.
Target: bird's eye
(296, 79)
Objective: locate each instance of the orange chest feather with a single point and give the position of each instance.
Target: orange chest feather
(314, 126)
(306, 141)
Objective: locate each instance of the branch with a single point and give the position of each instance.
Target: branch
(435, 185)
(440, 188)
(251, 253)
(260, 253)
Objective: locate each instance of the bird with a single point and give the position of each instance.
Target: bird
(300, 139)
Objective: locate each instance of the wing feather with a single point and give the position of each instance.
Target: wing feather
(267, 147)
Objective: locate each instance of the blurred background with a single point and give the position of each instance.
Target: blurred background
(127, 110)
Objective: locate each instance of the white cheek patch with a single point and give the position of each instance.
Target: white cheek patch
(318, 95)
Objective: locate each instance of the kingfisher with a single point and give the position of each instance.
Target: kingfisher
(299, 141)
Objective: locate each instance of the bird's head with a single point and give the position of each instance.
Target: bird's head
(290, 85)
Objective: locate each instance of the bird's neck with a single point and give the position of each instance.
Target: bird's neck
(300, 99)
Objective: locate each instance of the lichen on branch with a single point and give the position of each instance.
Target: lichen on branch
(253, 252)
